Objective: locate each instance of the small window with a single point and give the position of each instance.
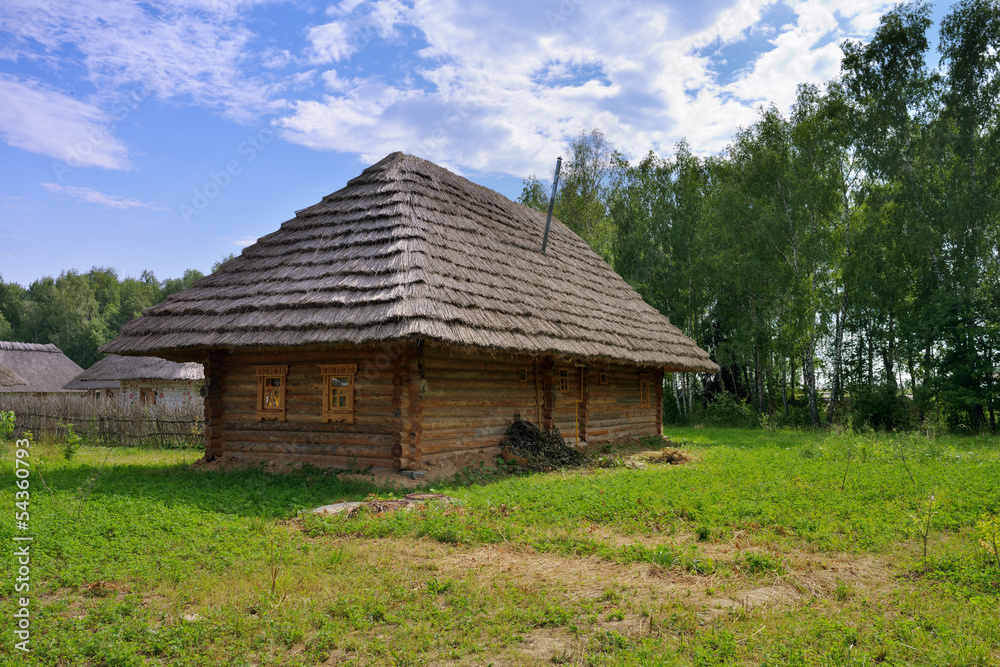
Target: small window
(522, 374)
(271, 382)
(644, 393)
(564, 380)
(338, 392)
(147, 396)
(603, 378)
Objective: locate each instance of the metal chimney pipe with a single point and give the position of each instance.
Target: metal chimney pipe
(552, 203)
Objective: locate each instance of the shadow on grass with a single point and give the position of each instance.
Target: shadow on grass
(250, 492)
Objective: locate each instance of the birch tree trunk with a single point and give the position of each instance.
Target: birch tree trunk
(809, 379)
(838, 360)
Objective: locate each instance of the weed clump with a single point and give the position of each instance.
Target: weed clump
(536, 449)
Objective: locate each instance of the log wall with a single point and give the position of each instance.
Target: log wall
(615, 411)
(215, 366)
(415, 404)
(469, 400)
(382, 409)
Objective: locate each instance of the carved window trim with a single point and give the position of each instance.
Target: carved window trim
(332, 410)
(265, 376)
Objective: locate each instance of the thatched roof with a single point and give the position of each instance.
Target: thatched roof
(43, 368)
(114, 368)
(410, 250)
(83, 385)
(9, 378)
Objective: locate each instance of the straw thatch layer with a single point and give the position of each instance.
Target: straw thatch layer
(43, 368)
(9, 378)
(77, 384)
(115, 368)
(410, 250)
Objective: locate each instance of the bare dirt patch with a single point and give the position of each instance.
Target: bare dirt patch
(625, 589)
(551, 646)
(806, 576)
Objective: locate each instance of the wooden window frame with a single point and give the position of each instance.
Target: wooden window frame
(263, 373)
(645, 395)
(522, 374)
(151, 393)
(602, 377)
(563, 376)
(333, 413)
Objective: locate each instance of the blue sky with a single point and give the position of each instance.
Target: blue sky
(165, 135)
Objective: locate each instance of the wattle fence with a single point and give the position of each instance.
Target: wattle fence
(107, 422)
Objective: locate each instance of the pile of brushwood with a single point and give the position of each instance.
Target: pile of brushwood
(536, 449)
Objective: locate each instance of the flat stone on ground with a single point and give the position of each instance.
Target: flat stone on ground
(381, 506)
(337, 508)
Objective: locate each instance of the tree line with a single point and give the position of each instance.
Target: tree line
(840, 261)
(79, 312)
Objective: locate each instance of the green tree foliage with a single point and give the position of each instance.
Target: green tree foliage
(79, 312)
(582, 196)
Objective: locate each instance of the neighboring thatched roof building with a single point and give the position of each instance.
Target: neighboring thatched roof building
(76, 384)
(9, 378)
(167, 380)
(43, 368)
(413, 256)
(115, 367)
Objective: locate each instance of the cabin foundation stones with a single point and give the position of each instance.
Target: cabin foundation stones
(400, 324)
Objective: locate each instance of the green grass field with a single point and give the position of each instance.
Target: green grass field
(781, 548)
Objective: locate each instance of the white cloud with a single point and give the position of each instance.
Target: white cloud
(191, 49)
(387, 14)
(329, 43)
(95, 197)
(500, 90)
(502, 87)
(807, 51)
(37, 118)
(245, 241)
(273, 58)
(476, 84)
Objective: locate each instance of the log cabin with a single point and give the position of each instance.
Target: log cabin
(404, 320)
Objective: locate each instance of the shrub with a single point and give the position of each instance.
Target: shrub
(71, 444)
(988, 534)
(727, 410)
(798, 413)
(6, 424)
(883, 409)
